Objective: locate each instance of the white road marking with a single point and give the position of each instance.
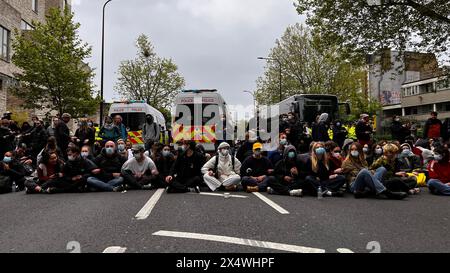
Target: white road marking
(271, 203)
(148, 207)
(239, 241)
(219, 194)
(115, 249)
(344, 250)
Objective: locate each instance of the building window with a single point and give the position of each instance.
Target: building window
(25, 26)
(4, 44)
(34, 5)
(443, 84)
(1, 84)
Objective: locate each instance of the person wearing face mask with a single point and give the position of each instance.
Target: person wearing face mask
(85, 134)
(321, 172)
(395, 179)
(107, 177)
(76, 172)
(439, 172)
(256, 171)
(86, 153)
(278, 154)
(289, 175)
(245, 150)
(109, 132)
(334, 155)
(360, 181)
(122, 149)
(320, 129)
(12, 168)
(185, 174)
(164, 162)
(6, 138)
(339, 133)
(410, 163)
(49, 171)
(150, 132)
(399, 131)
(140, 171)
(221, 172)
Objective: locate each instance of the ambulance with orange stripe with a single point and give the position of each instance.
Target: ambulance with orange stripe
(133, 114)
(201, 115)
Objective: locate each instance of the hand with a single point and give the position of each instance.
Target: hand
(6, 167)
(415, 173)
(52, 176)
(169, 179)
(86, 141)
(260, 178)
(210, 173)
(338, 170)
(155, 172)
(400, 174)
(96, 171)
(288, 179)
(269, 171)
(60, 175)
(448, 184)
(115, 175)
(333, 176)
(294, 171)
(75, 178)
(138, 175)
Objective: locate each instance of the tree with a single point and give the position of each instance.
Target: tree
(365, 26)
(149, 77)
(309, 65)
(53, 75)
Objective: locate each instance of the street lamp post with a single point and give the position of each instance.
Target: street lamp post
(103, 62)
(280, 72)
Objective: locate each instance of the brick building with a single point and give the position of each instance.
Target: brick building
(18, 14)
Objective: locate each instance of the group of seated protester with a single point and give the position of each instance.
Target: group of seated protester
(388, 170)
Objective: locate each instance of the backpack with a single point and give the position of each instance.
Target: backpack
(216, 164)
(5, 184)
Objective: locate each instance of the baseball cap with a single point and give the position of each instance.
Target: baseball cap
(257, 145)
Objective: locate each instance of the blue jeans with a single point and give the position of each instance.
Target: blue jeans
(104, 186)
(365, 179)
(437, 187)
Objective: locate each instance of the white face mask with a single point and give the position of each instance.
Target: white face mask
(379, 151)
(438, 157)
(71, 158)
(84, 154)
(366, 150)
(224, 152)
(354, 153)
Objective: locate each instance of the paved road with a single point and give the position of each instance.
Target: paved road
(46, 223)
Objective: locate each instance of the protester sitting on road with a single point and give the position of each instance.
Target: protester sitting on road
(321, 174)
(76, 172)
(122, 150)
(50, 168)
(346, 146)
(107, 177)
(256, 170)
(109, 132)
(140, 171)
(439, 172)
(395, 179)
(86, 153)
(361, 182)
(164, 163)
(334, 154)
(13, 169)
(50, 148)
(410, 163)
(186, 175)
(277, 155)
(221, 172)
(289, 175)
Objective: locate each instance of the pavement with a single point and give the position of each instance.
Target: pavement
(193, 223)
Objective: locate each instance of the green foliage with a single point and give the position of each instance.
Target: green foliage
(53, 75)
(149, 77)
(358, 28)
(311, 66)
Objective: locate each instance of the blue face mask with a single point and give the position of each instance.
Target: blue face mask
(291, 155)
(7, 159)
(320, 151)
(109, 151)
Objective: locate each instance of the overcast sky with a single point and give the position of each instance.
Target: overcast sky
(215, 43)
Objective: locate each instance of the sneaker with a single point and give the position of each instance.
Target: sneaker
(147, 187)
(392, 195)
(231, 188)
(298, 193)
(270, 190)
(252, 189)
(49, 190)
(337, 194)
(195, 189)
(118, 189)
